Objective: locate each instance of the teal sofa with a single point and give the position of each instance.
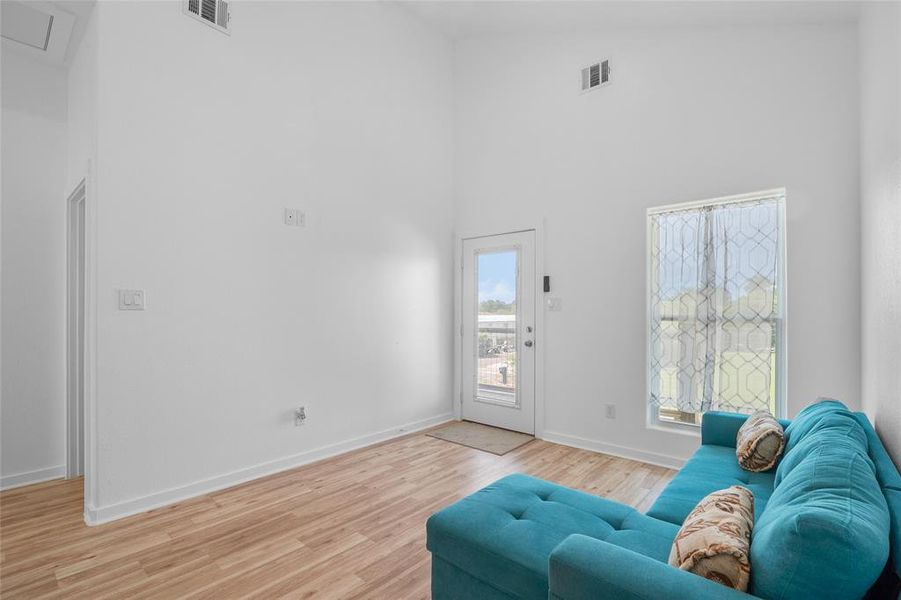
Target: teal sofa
(827, 525)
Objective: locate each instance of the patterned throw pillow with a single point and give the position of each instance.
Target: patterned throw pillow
(715, 539)
(759, 443)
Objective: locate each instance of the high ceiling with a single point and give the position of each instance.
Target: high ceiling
(472, 18)
(463, 19)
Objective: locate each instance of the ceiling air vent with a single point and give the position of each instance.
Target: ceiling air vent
(212, 12)
(596, 75)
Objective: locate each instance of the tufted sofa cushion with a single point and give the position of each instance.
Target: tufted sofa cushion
(823, 534)
(711, 468)
(504, 533)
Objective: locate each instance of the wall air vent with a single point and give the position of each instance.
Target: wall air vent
(596, 75)
(212, 12)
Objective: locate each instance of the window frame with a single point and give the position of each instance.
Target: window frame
(653, 420)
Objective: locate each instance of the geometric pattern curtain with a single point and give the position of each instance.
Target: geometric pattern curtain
(714, 307)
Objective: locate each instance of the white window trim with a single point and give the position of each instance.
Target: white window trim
(653, 421)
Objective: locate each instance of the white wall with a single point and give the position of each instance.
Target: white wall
(880, 80)
(691, 114)
(32, 410)
(199, 140)
(81, 137)
(342, 110)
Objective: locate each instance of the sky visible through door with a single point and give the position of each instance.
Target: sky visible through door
(497, 276)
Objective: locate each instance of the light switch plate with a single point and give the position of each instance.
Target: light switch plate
(294, 217)
(131, 299)
(554, 304)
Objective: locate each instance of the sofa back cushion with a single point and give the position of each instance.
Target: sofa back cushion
(808, 418)
(886, 473)
(890, 481)
(823, 533)
(835, 428)
(893, 497)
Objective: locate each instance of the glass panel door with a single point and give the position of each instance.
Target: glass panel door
(498, 334)
(496, 275)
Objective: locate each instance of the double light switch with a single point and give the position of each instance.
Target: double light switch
(131, 299)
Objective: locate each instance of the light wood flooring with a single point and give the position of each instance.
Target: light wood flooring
(352, 526)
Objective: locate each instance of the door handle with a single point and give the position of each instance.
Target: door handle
(528, 343)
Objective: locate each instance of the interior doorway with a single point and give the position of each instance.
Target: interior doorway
(498, 301)
(75, 338)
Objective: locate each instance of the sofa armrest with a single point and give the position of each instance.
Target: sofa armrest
(721, 428)
(586, 568)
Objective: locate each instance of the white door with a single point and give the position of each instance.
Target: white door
(498, 304)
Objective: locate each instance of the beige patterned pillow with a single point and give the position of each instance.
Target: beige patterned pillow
(715, 539)
(759, 443)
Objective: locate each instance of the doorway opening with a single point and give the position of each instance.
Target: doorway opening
(498, 301)
(75, 330)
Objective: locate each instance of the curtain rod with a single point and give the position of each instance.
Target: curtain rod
(774, 194)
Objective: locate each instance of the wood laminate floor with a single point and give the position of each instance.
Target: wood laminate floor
(352, 526)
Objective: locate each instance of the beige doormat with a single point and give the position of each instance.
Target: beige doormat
(482, 437)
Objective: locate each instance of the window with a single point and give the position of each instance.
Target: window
(716, 300)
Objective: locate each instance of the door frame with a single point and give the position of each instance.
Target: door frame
(89, 443)
(540, 308)
(75, 340)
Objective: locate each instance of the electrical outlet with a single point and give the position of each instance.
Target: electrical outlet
(610, 411)
(300, 416)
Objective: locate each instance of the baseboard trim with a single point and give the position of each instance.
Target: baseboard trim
(653, 458)
(113, 512)
(8, 482)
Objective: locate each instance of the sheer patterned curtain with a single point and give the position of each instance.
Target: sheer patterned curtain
(714, 306)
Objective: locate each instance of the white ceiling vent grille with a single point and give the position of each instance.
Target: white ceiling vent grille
(596, 75)
(212, 12)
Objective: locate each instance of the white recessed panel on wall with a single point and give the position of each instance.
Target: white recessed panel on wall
(38, 29)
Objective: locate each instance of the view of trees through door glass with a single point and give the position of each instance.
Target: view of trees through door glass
(497, 286)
